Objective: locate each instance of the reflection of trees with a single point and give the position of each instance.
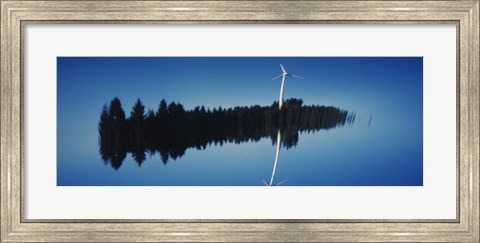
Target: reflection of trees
(171, 130)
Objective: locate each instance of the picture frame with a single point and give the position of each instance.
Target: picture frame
(16, 14)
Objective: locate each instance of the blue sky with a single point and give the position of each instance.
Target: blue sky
(349, 82)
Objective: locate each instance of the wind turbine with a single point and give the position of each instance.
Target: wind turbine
(283, 76)
(279, 136)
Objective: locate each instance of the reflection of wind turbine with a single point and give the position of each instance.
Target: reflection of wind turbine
(279, 139)
(284, 75)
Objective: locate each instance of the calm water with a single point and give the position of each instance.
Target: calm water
(355, 154)
(384, 151)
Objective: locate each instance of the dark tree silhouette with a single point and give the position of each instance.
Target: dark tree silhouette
(172, 130)
(113, 137)
(162, 108)
(137, 129)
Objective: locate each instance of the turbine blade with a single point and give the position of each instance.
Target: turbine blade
(277, 77)
(293, 75)
(283, 69)
(278, 184)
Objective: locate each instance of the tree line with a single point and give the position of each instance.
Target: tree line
(171, 130)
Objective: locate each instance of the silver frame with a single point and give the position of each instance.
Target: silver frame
(16, 14)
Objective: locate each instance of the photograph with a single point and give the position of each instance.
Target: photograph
(239, 121)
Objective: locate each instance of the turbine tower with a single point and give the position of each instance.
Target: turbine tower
(284, 76)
